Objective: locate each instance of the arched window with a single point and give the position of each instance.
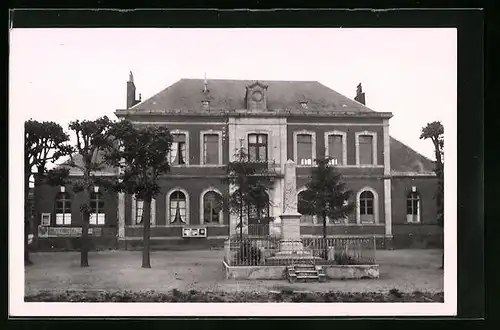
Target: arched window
(138, 211)
(212, 207)
(366, 207)
(63, 209)
(301, 206)
(97, 215)
(177, 208)
(413, 207)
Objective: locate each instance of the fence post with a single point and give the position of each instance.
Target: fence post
(374, 248)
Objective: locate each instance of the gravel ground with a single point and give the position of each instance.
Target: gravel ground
(405, 270)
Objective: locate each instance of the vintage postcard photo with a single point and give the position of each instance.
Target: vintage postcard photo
(216, 167)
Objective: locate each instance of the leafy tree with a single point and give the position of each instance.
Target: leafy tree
(44, 143)
(142, 157)
(435, 132)
(92, 141)
(326, 195)
(250, 180)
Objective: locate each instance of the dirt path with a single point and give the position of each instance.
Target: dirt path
(405, 270)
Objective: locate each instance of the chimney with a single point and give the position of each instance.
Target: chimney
(131, 101)
(360, 96)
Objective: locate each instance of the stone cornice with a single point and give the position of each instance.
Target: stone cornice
(246, 113)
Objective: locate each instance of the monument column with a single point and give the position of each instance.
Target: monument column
(290, 219)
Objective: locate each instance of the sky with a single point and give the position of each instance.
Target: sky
(66, 74)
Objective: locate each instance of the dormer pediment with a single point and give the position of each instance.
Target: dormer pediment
(256, 96)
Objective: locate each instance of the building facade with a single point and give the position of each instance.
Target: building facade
(275, 121)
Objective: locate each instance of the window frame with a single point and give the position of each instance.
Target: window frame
(65, 201)
(418, 215)
(186, 160)
(167, 204)
(375, 206)
(134, 212)
(258, 144)
(344, 145)
(202, 146)
(313, 147)
(202, 206)
(99, 197)
(374, 148)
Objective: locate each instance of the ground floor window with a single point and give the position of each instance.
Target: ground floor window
(63, 209)
(177, 208)
(97, 214)
(138, 211)
(212, 207)
(366, 207)
(413, 207)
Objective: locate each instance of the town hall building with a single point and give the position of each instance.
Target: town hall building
(275, 121)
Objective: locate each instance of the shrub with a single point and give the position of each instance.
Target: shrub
(248, 254)
(342, 258)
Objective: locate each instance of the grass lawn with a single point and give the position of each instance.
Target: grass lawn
(57, 272)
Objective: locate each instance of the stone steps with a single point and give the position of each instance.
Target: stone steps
(305, 272)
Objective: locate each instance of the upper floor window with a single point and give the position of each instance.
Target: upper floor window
(413, 207)
(97, 214)
(178, 150)
(366, 148)
(336, 149)
(210, 149)
(212, 207)
(257, 147)
(304, 149)
(63, 208)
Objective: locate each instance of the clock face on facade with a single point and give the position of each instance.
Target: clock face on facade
(257, 96)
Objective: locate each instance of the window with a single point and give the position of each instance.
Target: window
(212, 207)
(336, 149)
(413, 207)
(63, 209)
(97, 215)
(366, 207)
(365, 149)
(303, 105)
(177, 208)
(138, 211)
(300, 208)
(257, 147)
(178, 149)
(211, 149)
(255, 212)
(304, 149)
(205, 104)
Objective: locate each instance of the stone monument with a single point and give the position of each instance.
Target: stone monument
(291, 246)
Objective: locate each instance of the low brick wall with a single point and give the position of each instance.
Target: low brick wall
(173, 244)
(333, 272)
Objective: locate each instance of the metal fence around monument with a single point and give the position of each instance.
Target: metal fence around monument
(263, 251)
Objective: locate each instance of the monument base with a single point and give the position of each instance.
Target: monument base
(292, 252)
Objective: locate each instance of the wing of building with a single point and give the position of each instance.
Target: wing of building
(275, 121)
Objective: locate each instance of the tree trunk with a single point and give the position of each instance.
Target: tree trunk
(241, 222)
(27, 259)
(146, 221)
(84, 249)
(324, 236)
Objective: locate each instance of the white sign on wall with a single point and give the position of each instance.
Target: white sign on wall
(194, 232)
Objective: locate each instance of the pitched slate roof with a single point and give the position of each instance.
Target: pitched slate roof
(106, 169)
(186, 95)
(405, 159)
